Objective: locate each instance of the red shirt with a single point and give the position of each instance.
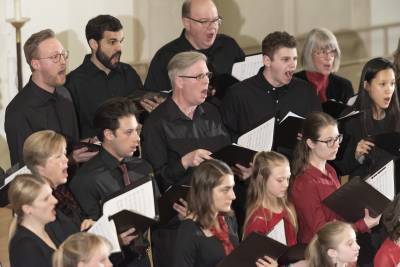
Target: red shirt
(308, 191)
(388, 254)
(320, 83)
(257, 223)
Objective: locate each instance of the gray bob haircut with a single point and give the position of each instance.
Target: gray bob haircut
(319, 38)
(181, 62)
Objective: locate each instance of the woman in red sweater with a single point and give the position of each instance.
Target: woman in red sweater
(388, 254)
(315, 179)
(267, 203)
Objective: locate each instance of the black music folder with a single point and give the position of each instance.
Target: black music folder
(350, 200)
(256, 246)
(287, 131)
(133, 206)
(92, 147)
(234, 154)
(334, 108)
(387, 141)
(170, 196)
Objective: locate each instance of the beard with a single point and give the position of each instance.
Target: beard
(107, 61)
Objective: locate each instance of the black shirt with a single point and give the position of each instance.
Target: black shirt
(221, 55)
(194, 249)
(338, 88)
(34, 109)
(255, 100)
(168, 134)
(90, 87)
(100, 177)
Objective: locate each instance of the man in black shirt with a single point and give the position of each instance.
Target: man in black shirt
(273, 92)
(184, 130)
(201, 23)
(101, 75)
(43, 104)
(114, 167)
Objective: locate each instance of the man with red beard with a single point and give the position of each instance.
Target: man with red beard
(201, 23)
(43, 104)
(273, 92)
(101, 75)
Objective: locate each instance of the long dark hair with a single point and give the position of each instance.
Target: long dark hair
(365, 103)
(391, 218)
(311, 128)
(205, 177)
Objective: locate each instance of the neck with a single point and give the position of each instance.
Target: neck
(110, 150)
(269, 78)
(98, 64)
(185, 107)
(37, 79)
(340, 264)
(378, 113)
(272, 204)
(33, 225)
(318, 163)
(190, 40)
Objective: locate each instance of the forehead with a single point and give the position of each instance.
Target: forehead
(107, 35)
(280, 169)
(50, 46)
(384, 74)
(226, 180)
(203, 9)
(44, 191)
(127, 122)
(285, 52)
(329, 131)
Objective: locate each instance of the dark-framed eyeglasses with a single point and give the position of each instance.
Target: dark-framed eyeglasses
(57, 57)
(207, 22)
(331, 141)
(199, 77)
(326, 52)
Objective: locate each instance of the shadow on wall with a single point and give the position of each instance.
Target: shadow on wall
(77, 49)
(233, 23)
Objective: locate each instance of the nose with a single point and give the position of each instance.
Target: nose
(55, 201)
(65, 158)
(232, 195)
(286, 183)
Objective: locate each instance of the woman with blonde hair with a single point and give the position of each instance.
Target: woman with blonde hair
(267, 202)
(334, 245)
(83, 250)
(33, 203)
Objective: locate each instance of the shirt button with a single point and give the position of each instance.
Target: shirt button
(277, 101)
(273, 89)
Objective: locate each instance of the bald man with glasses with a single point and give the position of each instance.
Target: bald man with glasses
(201, 23)
(44, 103)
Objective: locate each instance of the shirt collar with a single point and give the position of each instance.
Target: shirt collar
(109, 160)
(174, 113)
(42, 96)
(317, 173)
(265, 85)
(91, 68)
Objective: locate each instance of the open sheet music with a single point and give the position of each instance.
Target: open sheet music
(248, 68)
(260, 138)
(138, 200)
(291, 114)
(351, 100)
(383, 180)
(278, 233)
(11, 177)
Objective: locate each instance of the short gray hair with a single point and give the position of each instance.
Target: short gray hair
(187, 4)
(319, 38)
(181, 62)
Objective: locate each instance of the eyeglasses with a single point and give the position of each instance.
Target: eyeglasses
(331, 141)
(57, 57)
(207, 22)
(199, 77)
(326, 52)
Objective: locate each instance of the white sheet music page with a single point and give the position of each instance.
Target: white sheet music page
(383, 180)
(248, 68)
(278, 233)
(260, 138)
(10, 178)
(291, 114)
(351, 100)
(139, 200)
(106, 228)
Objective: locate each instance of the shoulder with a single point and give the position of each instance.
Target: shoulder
(139, 165)
(226, 40)
(88, 171)
(301, 85)
(339, 80)
(169, 49)
(128, 68)
(301, 75)
(244, 87)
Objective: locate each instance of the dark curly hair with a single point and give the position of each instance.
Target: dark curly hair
(276, 40)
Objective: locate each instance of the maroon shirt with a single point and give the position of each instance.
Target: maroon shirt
(308, 191)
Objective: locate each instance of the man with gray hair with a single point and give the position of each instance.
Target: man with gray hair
(44, 103)
(184, 130)
(201, 23)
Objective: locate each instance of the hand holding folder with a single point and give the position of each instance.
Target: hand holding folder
(256, 246)
(167, 200)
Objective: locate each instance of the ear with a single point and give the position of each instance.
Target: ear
(186, 23)
(267, 61)
(93, 44)
(108, 134)
(35, 64)
(40, 170)
(310, 143)
(332, 253)
(366, 86)
(26, 209)
(178, 83)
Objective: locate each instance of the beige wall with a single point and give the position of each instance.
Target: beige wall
(149, 24)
